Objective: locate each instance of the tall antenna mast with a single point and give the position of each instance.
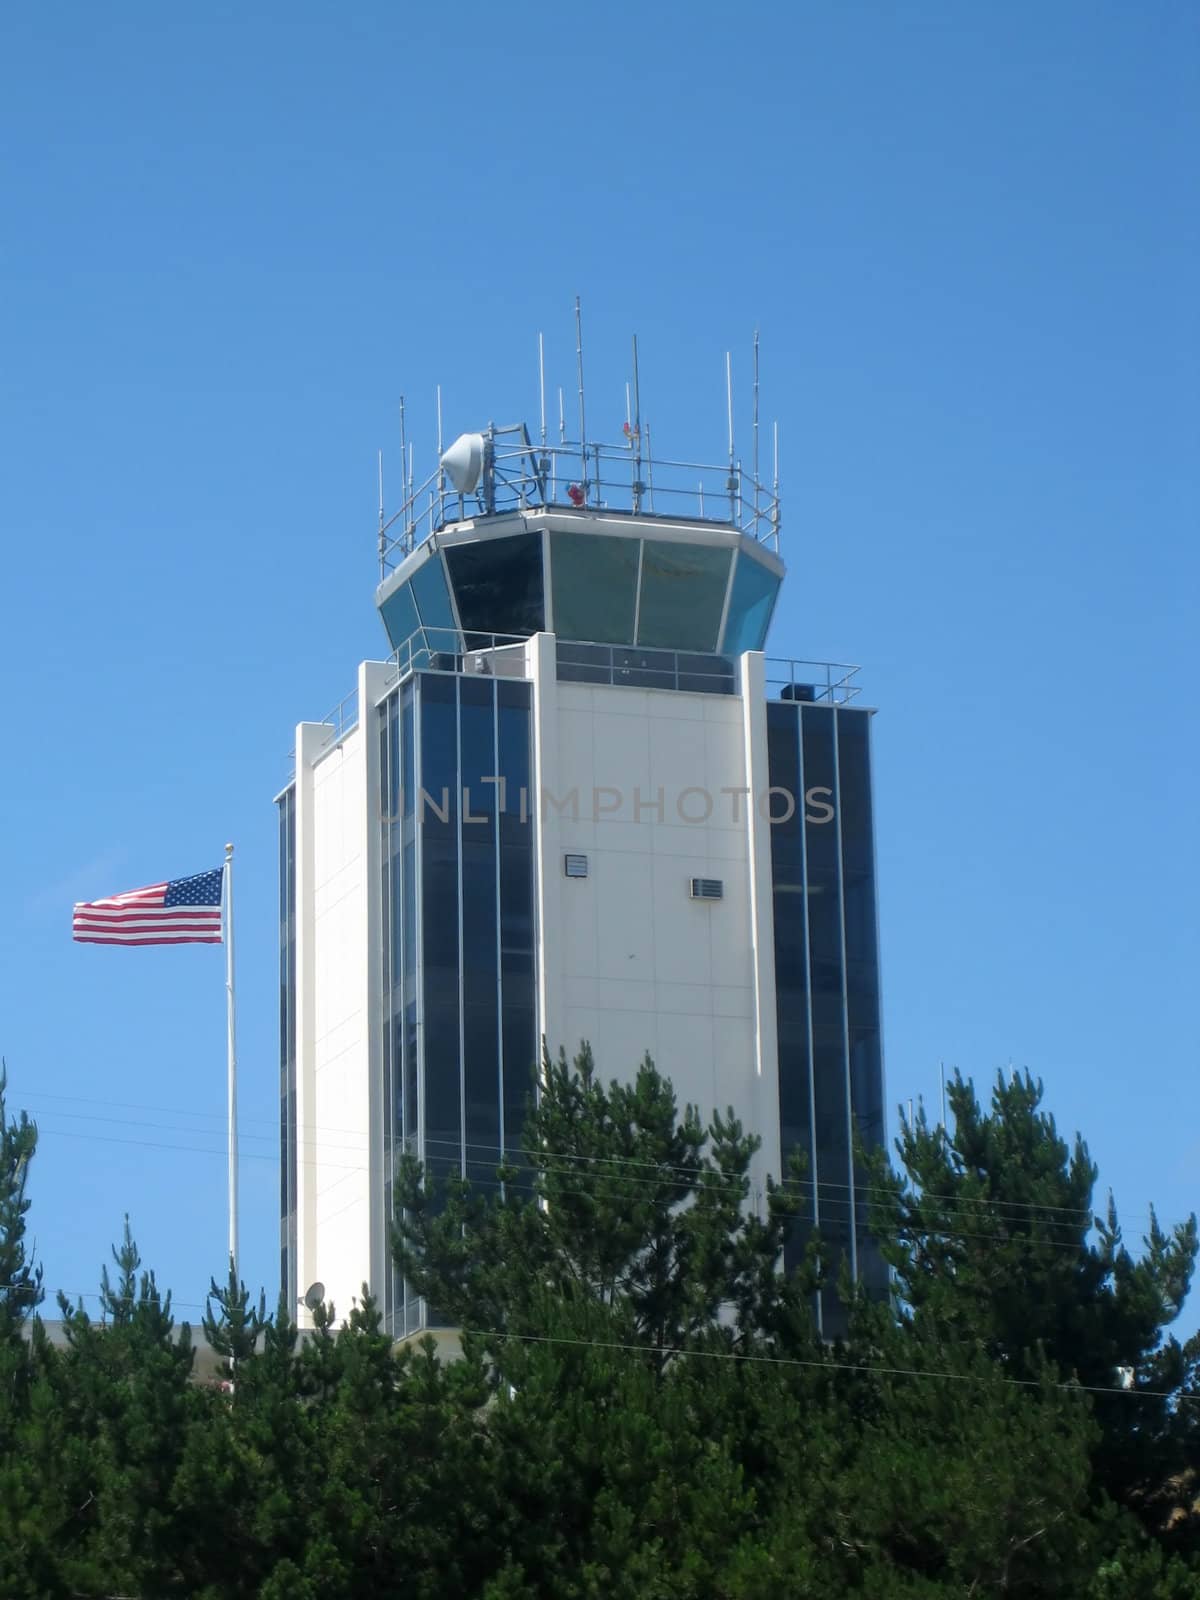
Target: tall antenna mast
(637, 431)
(441, 480)
(542, 385)
(729, 402)
(382, 535)
(775, 487)
(756, 432)
(583, 483)
(407, 510)
(732, 484)
(403, 451)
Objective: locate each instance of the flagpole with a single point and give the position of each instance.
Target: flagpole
(231, 1014)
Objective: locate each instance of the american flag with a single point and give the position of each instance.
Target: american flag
(184, 911)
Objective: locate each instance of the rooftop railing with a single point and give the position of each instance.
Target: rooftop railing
(515, 474)
(622, 666)
(822, 682)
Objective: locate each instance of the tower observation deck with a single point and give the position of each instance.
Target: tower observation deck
(576, 802)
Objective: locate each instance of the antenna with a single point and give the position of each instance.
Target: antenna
(582, 422)
(729, 402)
(775, 488)
(404, 485)
(542, 385)
(403, 452)
(732, 483)
(382, 534)
(562, 419)
(441, 483)
(756, 431)
(637, 431)
(314, 1295)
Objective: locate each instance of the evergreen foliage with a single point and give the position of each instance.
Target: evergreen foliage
(643, 1409)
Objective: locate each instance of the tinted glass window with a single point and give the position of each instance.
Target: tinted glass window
(595, 587)
(498, 586)
(862, 958)
(480, 934)
(518, 1025)
(438, 779)
(433, 603)
(830, 1097)
(791, 958)
(750, 605)
(683, 595)
(399, 613)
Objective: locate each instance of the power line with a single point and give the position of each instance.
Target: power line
(835, 1366)
(311, 1133)
(827, 1201)
(541, 1156)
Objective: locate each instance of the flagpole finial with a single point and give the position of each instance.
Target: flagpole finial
(228, 849)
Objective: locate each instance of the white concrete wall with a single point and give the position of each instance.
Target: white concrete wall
(339, 1045)
(629, 961)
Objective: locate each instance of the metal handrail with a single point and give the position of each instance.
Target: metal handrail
(448, 650)
(830, 681)
(595, 477)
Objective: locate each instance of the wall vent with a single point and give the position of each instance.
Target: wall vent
(708, 889)
(575, 866)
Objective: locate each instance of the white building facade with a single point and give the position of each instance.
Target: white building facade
(577, 803)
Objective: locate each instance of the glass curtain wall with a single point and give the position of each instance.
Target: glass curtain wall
(827, 975)
(460, 1025)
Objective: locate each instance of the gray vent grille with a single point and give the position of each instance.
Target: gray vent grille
(575, 866)
(708, 889)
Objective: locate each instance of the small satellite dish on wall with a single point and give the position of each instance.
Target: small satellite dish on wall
(314, 1295)
(463, 462)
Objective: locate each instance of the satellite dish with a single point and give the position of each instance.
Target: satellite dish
(314, 1295)
(463, 462)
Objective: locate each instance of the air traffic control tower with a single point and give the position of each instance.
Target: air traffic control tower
(576, 801)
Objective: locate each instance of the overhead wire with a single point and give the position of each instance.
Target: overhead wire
(688, 1172)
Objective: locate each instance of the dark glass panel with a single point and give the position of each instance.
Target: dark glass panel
(433, 603)
(438, 778)
(516, 764)
(411, 1125)
(408, 940)
(831, 1107)
(520, 1065)
(595, 587)
(518, 1025)
(407, 754)
(751, 602)
(498, 587)
(480, 938)
(791, 962)
(703, 674)
(481, 1037)
(584, 663)
(399, 613)
(644, 669)
(862, 962)
(682, 595)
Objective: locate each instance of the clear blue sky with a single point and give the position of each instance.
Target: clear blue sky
(231, 238)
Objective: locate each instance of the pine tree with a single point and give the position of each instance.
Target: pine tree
(997, 1249)
(629, 1221)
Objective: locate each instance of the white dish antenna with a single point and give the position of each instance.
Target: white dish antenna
(462, 462)
(314, 1295)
